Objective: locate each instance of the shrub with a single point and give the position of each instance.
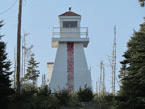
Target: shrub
(63, 96)
(28, 89)
(44, 91)
(74, 97)
(34, 101)
(85, 95)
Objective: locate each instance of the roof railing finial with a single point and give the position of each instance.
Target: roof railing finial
(69, 8)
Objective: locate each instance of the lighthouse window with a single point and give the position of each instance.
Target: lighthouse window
(69, 24)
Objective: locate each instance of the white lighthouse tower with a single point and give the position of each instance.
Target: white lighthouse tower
(70, 70)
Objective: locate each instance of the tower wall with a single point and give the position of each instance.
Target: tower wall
(59, 75)
(82, 75)
(50, 70)
(70, 68)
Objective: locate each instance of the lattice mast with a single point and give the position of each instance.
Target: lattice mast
(24, 54)
(114, 62)
(102, 77)
(15, 68)
(103, 70)
(43, 79)
(100, 85)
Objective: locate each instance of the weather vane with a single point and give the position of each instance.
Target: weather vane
(69, 7)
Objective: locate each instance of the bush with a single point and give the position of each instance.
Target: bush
(28, 89)
(44, 91)
(74, 97)
(34, 101)
(85, 95)
(104, 101)
(63, 97)
(124, 102)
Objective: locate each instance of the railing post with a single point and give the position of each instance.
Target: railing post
(82, 31)
(53, 32)
(87, 33)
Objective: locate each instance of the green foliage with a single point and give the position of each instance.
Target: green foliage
(105, 101)
(33, 98)
(85, 95)
(133, 71)
(5, 73)
(42, 99)
(28, 89)
(142, 3)
(33, 102)
(63, 96)
(103, 92)
(32, 72)
(74, 97)
(44, 91)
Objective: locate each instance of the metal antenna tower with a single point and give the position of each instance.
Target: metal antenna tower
(102, 77)
(114, 62)
(15, 68)
(97, 88)
(100, 84)
(24, 54)
(43, 79)
(103, 70)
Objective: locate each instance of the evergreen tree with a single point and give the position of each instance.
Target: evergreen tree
(32, 72)
(133, 71)
(5, 72)
(142, 3)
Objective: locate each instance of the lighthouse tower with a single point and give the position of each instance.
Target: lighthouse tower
(70, 70)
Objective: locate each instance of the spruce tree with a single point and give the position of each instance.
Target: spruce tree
(5, 72)
(132, 73)
(32, 72)
(142, 3)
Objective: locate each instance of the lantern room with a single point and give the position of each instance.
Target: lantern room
(69, 30)
(69, 24)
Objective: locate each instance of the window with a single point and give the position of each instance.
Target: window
(69, 24)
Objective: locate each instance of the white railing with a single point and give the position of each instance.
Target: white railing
(81, 32)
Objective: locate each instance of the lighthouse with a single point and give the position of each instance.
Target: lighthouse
(70, 69)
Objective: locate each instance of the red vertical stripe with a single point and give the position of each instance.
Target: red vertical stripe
(70, 66)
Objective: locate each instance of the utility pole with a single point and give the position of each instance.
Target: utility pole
(19, 47)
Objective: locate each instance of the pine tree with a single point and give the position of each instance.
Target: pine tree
(32, 72)
(142, 3)
(5, 72)
(133, 70)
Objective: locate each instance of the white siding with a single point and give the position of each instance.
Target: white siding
(59, 75)
(50, 70)
(82, 75)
